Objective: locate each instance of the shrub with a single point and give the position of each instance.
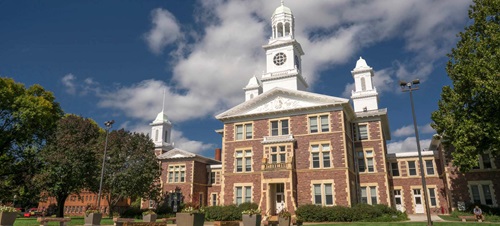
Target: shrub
(132, 212)
(222, 213)
(338, 214)
(360, 212)
(311, 213)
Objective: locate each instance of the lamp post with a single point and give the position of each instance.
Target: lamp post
(409, 87)
(108, 125)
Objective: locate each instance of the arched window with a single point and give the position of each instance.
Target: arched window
(280, 30)
(287, 29)
(363, 84)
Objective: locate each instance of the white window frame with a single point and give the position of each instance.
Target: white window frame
(369, 194)
(280, 151)
(435, 196)
(409, 169)
(245, 156)
(246, 129)
(427, 167)
(279, 127)
(244, 196)
(366, 156)
(357, 132)
(323, 193)
(481, 191)
(481, 162)
(176, 173)
(321, 152)
(397, 169)
(214, 199)
(320, 126)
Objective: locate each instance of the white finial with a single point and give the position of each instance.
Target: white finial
(163, 107)
(282, 2)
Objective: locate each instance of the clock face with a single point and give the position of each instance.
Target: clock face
(279, 59)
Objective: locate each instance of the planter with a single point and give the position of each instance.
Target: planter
(7, 218)
(93, 219)
(190, 219)
(282, 221)
(149, 218)
(252, 220)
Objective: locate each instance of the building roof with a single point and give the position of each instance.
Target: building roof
(279, 100)
(179, 154)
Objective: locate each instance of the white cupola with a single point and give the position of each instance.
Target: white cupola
(161, 131)
(253, 88)
(283, 54)
(365, 96)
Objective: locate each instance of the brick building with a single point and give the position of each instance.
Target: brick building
(284, 147)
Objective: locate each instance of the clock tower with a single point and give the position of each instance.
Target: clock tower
(283, 54)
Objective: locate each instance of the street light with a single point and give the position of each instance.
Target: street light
(405, 87)
(108, 125)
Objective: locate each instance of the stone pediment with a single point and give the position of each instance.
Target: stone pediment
(280, 100)
(175, 154)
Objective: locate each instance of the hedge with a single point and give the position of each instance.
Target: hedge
(360, 212)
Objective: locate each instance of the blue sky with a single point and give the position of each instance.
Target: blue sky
(113, 59)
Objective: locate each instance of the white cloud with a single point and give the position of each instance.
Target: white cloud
(165, 30)
(210, 66)
(68, 81)
(407, 145)
(410, 130)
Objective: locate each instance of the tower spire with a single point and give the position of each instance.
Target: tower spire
(163, 107)
(282, 2)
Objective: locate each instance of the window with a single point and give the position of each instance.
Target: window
(151, 204)
(244, 131)
(176, 174)
(361, 132)
(363, 84)
(429, 166)
(214, 177)
(323, 194)
(244, 161)
(365, 161)
(481, 192)
(395, 169)
(156, 135)
(243, 194)
(370, 192)
(201, 200)
(214, 199)
(319, 124)
(279, 127)
(320, 156)
(166, 136)
(278, 154)
(484, 162)
(412, 169)
(432, 196)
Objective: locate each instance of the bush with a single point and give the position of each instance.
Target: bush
(360, 212)
(227, 213)
(132, 212)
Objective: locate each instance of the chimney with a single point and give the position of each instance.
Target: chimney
(218, 155)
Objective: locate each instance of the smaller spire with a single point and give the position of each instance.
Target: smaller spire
(282, 2)
(163, 107)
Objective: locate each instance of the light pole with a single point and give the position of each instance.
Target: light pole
(409, 87)
(108, 125)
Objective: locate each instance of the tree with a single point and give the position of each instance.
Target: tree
(131, 169)
(468, 117)
(70, 159)
(27, 117)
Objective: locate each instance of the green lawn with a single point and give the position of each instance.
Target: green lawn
(74, 221)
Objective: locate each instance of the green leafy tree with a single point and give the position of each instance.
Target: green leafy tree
(131, 168)
(468, 117)
(70, 159)
(27, 117)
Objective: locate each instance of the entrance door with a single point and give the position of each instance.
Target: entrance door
(417, 201)
(398, 200)
(280, 197)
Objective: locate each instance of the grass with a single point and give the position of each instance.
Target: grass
(74, 221)
(407, 223)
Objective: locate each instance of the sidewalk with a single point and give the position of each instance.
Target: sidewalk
(423, 218)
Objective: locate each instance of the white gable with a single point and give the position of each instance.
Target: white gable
(176, 153)
(279, 100)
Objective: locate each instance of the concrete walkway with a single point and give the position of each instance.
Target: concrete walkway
(423, 218)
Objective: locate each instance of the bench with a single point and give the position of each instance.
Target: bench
(169, 219)
(62, 221)
(465, 218)
(119, 221)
